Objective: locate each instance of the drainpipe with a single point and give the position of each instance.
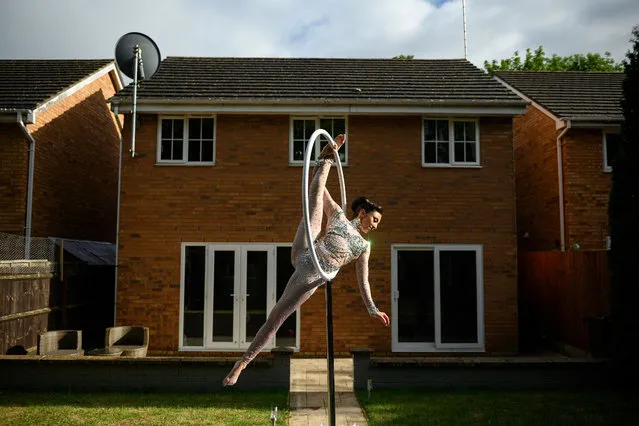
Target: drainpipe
(117, 220)
(560, 176)
(32, 146)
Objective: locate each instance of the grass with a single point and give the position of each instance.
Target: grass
(227, 408)
(508, 408)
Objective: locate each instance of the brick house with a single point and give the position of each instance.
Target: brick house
(565, 144)
(211, 204)
(59, 148)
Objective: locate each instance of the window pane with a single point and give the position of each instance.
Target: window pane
(177, 150)
(194, 128)
(207, 151)
(612, 145)
(298, 150)
(459, 152)
(327, 124)
(339, 126)
(166, 129)
(194, 150)
(207, 128)
(429, 130)
(442, 130)
(223, 288)
(458, 292)
(309, 128)
(470, 131)
(256, 278)
(165, 150)
(443, 149)
(471, 152)
(430, 155)
(194, 273)
(178, 129)
(298, 129)
(286, 335)
(415, 306)
(458, 127)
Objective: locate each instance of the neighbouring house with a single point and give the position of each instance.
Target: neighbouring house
(565, 146)
(212, 200)
(59, 159)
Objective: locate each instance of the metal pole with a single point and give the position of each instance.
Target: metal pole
(136, 49)
(330, 357)
(465, 42)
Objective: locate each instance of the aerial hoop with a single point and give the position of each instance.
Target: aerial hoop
(305, 208)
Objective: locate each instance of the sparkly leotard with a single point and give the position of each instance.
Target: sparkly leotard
(339, 245)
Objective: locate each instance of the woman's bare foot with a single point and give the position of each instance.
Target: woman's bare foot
(328, 150)
(235, 372)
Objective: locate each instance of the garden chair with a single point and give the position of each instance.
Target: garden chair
(60, 343)
(133, 341)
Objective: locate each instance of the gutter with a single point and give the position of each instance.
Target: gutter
(117, 220)
(32, 146)
(560, 178)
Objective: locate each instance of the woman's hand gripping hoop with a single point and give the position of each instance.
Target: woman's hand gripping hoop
(305, 208)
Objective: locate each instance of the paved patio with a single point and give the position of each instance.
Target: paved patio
(308, 393)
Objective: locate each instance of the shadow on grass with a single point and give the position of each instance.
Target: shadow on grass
(488, 407)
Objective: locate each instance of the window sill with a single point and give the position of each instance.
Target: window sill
(161, 163)
(452, 166)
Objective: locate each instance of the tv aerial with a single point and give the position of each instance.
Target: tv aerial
(138, 57)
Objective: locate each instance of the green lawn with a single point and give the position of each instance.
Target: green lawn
(508, 408)
(222, 408)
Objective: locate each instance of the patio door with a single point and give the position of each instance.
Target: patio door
(437, 298)
(240, 293)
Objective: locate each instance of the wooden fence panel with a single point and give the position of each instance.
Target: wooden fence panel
(560, 292)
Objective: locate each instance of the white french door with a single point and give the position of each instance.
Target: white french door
(239, 294)
(437, 298)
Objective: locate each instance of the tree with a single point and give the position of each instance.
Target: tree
(623, 215)
(538, 61)
(405, 57)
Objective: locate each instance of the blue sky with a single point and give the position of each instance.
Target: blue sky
(319, 28)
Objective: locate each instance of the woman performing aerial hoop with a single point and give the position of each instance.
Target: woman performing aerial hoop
(340, 244)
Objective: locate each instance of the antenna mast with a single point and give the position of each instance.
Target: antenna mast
(465, 42)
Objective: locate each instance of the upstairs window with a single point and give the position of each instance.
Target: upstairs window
(450, 142)
(186, 140)
(611, 145)
(303, 128)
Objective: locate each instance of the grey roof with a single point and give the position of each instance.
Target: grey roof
(320, 80)
(573, 95)
(91, 252)
(27, 83)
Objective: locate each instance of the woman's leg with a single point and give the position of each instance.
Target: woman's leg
(315, 207)
(297, 291)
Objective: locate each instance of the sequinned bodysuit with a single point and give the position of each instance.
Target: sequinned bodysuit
(340, 244)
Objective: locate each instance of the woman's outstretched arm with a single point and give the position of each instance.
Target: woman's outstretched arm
(365, 287)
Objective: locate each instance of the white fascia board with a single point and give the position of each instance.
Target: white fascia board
(80, 85)
(324, 109)
(559, 123)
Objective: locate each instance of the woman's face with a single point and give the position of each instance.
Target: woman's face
(369, 221)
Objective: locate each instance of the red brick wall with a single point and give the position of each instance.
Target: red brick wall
(535, 141)
(76, 164)
(253, 195)
(13, 178)
(587, 190)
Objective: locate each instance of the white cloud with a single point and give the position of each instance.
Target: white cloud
(321, 28)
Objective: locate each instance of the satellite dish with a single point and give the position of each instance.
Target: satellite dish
(137, 56)
(125, 55)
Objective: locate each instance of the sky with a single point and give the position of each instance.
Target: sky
(427, 29)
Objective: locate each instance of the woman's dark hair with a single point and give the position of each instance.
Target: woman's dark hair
(366, 204)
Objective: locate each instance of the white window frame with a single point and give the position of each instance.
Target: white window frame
(437, 345)
(451, 143)
(185, 141)
(238, 248)
(607, 167)
(317, 119)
